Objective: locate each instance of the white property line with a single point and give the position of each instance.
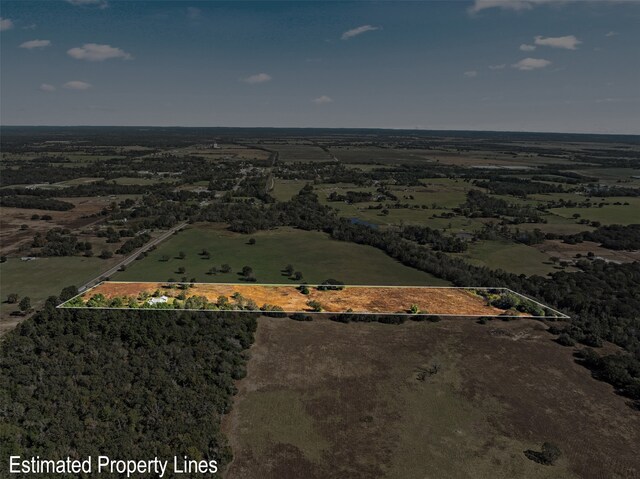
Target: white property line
(558, 314)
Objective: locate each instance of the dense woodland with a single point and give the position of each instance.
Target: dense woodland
(121, 383)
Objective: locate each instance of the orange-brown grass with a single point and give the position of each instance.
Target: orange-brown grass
(358, 299)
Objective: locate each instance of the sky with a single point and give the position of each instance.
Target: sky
(511, 65)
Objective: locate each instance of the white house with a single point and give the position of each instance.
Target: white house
(158, 300)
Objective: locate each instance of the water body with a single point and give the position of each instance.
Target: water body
(358, 221)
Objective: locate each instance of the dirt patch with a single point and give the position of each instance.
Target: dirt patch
(12, 237)
(567, 252)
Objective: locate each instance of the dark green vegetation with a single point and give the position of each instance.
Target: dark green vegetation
(123, 384)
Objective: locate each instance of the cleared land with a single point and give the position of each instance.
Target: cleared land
(508, 256)
(314, 254)
(610, 213)
(85, 213)
(350, 299)
(44, 277)
(330, 400)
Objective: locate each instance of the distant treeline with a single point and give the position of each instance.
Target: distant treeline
(36, 203)
(616, 237)
(518, 187)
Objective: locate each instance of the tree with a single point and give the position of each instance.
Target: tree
(106, 254)
(225, 268)
(181, 270)
(164, 258)
(247, 271)
(252, 241)
(549, 454)
(288, 270)
(25, 304)
(68, 293)
(297, 276)
(12, 298)
(182, 255)
(315, 306)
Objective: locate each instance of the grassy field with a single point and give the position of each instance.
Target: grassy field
(512, 257)
(324, 399)
(284, 190)
(45, 277)
(299, 152)
(609, 214)
(314, 254)
(364, 154)
(143, 181)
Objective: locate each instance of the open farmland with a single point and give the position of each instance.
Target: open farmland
(508, 256)
(52, 275)
(314, 254)
(449, 399)
(611, 213)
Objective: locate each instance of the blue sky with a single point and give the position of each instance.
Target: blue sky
(519, 65)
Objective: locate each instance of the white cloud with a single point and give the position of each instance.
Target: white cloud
(322, 99)
(94, 52)
(611, 34)
(527, 48)
(5, 24)
(568, 42)
(523, 5)
(89, 3)
(194, 13)
(257, 78)
(497, 67)
(531, 64)
(31, 44)
(354, 32)
(471, 73)
(77, 85)
(47, 87)
(33, 26)
(480, 5)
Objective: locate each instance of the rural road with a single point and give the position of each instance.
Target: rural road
(131, 257)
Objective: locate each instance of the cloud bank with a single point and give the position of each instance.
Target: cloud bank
(95, 52)
(31, 44)
(531, 64)
(77, 85)
(354, 32)
(257, 78)
(568, 42)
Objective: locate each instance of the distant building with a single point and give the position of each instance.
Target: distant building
(158, 300)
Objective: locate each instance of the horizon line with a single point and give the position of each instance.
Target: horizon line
(331, 128)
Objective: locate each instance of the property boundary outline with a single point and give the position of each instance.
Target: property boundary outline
(558, 314)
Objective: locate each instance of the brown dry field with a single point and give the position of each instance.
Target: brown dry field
(358, 299)
(566, 251)
(12, 237)
(330, 400)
